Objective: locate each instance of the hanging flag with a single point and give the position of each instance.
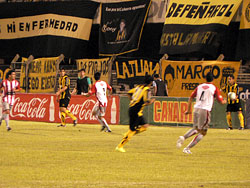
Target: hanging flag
(196, 27)
(46, 28)
(121, 26)
(244, 32)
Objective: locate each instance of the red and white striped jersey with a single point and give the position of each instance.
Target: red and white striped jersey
(100, 90)
(205, 94)
(8, 90)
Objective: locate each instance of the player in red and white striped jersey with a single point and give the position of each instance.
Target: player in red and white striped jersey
(100, 89)
(205, 94)
(9, 87)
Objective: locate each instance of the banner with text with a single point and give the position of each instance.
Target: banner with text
(92, 66)
(43, 107)
(121, 26)
(51, 25)
(133, 70)
(170, 111)
(182, 77)
(196, 27)
(244, 32)
(41, 75)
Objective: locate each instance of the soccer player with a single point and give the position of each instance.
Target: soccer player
(9, 86)
(100, 90)
(63, 97)
(139, 98)
(204, 94)
(233, 105)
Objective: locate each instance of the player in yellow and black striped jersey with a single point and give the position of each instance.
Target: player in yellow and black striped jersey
(139, 98)
(63, 97)
(233, 105)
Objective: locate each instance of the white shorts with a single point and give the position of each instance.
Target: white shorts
(99, 110)
(6, 106)
(201, 118)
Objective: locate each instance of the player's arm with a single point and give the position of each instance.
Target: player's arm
(130, 93)
(91, 92)
(218, 97)
(191, 98)
(146, 98)
(109, 89)
(154, 88)
(237, 91)
(18, 88)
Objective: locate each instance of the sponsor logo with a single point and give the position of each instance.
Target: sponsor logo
(32, 109)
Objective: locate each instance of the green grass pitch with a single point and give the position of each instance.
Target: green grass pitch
(38, 154)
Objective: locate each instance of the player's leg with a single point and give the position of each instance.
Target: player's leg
(229, 117)
(68, 113)
(133, 120)
(240, 115)
(241, 118)
(190, 132)
(143, 126)
(5, 115)
(202, 126)
(63, 116)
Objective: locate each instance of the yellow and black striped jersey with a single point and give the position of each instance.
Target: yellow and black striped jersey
(64, 81)
(231, 88)
(139, 98)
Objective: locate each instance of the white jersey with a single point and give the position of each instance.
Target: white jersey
(205, 94)
(9, 90)
(100, 90)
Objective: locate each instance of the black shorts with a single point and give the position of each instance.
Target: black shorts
(234, 107)
(134, 120)
(64, 102)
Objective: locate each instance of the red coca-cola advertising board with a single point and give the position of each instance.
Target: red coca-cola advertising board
(43, 107)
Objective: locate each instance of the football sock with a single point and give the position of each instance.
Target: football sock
(229, 120)
(126, 138)
(68, 113)
(241, 118)
(190, 133)
(140, 129)
(195, 141)
(63, 120)
(6, 118)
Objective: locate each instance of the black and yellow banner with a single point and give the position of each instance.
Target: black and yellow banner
(133, 70)
(121, 26)
(46, 28)
(244, 32)
(4, 69)
(41, 75)
(182, 77)
(92, 66)
(196, 26)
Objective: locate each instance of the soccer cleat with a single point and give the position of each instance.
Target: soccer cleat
(187, 151)
(241, 128)
(75, 122)
(229, 128)
(108, 131)
(61, 125)
(103, 128)
(120, 149)
(180, 141)
(8, 129)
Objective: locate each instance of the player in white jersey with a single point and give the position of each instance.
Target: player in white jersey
(9, 87)
(100, 90)
(205, 94)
